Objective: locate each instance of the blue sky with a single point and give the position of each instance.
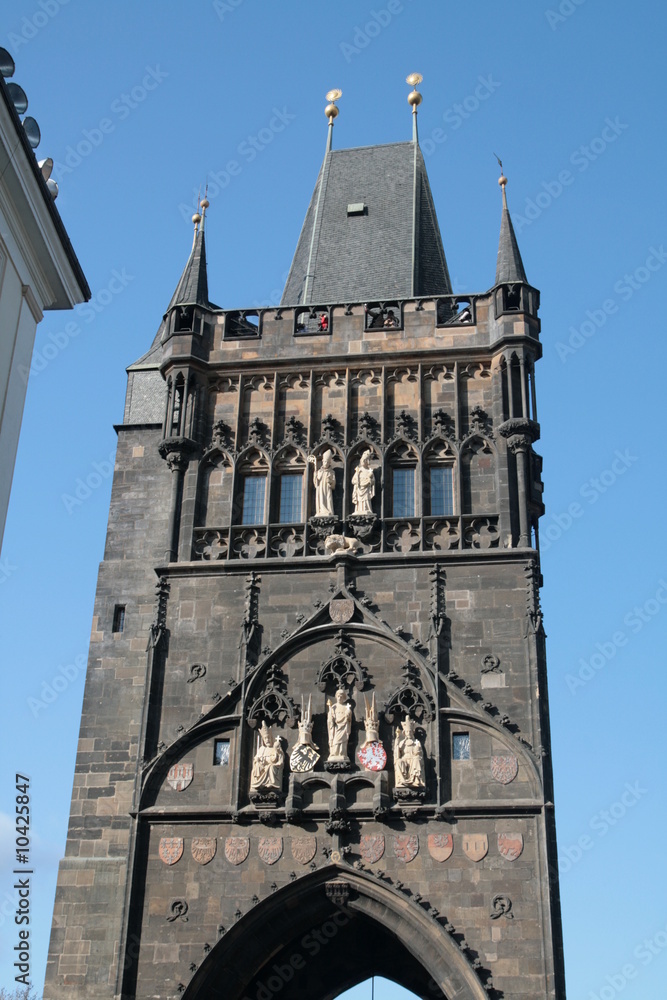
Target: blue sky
(140, 104)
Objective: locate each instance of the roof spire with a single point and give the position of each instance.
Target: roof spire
(509, 266)
(192, 289)
(414, 100)
(331, 111)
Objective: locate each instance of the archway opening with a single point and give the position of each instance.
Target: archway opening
(377, 988)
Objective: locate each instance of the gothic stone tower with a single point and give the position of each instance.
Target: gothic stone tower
(321, 752)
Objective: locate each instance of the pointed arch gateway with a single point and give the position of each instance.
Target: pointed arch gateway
(316, 937)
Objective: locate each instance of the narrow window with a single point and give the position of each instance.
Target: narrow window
(254, 488)
(403, 495)
(290, 498)
(221, 753)
(461, 746)
(442, 492)
(118, 618)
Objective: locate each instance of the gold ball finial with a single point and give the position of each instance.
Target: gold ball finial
(331, 111)
(502, 180)
(205, 203)
(196, 218)
(414, 97)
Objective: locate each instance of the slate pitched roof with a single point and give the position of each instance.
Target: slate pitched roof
(509, 266)
(392, 250)
(192, 289)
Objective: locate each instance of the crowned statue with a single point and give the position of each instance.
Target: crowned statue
(408, 758)
(268, 762)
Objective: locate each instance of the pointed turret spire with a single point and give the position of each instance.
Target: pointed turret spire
(509, 267)
(192, 289)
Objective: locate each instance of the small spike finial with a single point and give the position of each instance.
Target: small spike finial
(203, 205)
(331, 111)
(502, 180)
(414, 100)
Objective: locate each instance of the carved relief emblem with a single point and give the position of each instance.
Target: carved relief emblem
(340, 611)
(303, 758)
(203, 849)
(504, 769)
(371, 847)
(270, 849)
(406, 847)
(237, 849)
(180, 775)
(475, 845)
(373, 756)
(171, 849)
(440, 845)
(303, 849)
(510, 845)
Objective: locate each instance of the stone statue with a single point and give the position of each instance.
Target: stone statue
(363, 485)
(339, 724)
(408, 758)
(268, 763)
(325, 482)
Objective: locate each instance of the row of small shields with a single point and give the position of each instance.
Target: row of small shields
(237, 849)
(371, 847)
(440, 846)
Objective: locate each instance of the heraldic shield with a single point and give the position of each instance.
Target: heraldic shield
(475, 846)
(180, 775)
(371, 847)
(440, 845)
(303, 849)
(203, 849)
(504, 769)
(270, 849)
(237, 849)
(510, 845)
(406, 848)
(341, 610)
(171, 849)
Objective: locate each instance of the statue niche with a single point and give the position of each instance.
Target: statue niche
(339, 727)
(266, 779)
(409, 774)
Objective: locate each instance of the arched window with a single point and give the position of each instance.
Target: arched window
(288, 493)
(402, 461)
(439, 485)
(251, 492)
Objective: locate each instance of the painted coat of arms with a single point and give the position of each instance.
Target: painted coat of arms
(504, 769)
(440, 845)
(340, 611)
(270, 849)
(475, 846)
(371, 847)
(303, 758)
(406, 848)
(373, 756)
(237, 849)
(303, 849)
(510, 845)
(180, 775)
(203, 849)
(171, 849)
